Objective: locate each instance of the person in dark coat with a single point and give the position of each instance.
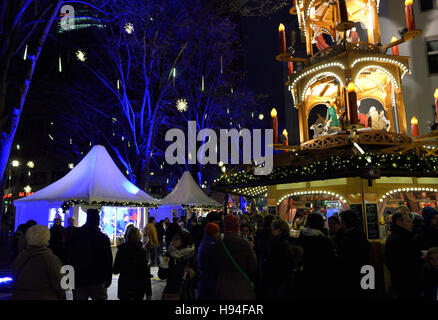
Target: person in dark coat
(172, 229)
(196, 232)
(37, 271)
(160, 235)
(428, 235)
(19, 240)
(354, 253)
(429, 289)
(403, 258)
(132, 264)
(232, 284)
(181, 265)
(90, 255)
(281, 264)
(319, 260)
(57, 237)
(207, 267)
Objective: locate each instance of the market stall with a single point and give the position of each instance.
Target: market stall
(186, 196)
(95, 182)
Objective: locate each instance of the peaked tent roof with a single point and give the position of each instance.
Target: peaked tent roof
(95, 179)
(187, 193)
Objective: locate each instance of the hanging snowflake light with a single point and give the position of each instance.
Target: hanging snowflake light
(81, 55)
(129, 28)
(181, 105)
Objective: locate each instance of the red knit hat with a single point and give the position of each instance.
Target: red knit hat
(211, 229)
(231, 223)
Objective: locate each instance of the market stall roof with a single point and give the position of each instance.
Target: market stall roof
(187, 193)
(96, 179)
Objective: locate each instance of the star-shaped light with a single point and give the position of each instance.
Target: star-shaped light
(181, 105)
(129, 28)
(81, 55)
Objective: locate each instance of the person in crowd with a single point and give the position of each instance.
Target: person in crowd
(428, 236)
(247, 234)
(403, 258)
(71, 228)
(37, 271)
(244, 219)
(121, 224)
(236, 264)
(281, 264)
(172, 229)
(318, 252)
(19, 240)
(160, 235)
(151, 241)
(91, 257)
(196, 233)
(208, 273)
(354, 253)
(335, 232)
(57, 237)
(429, 290)
(262, 238)
(180, 268)
(131, 263)
(128, 228)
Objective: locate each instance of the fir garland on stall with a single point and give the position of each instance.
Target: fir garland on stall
(69, 203)
(335, 164)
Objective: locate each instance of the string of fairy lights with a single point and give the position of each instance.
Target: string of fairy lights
(334, 164)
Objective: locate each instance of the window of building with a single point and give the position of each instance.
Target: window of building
(432, 55)
(426, 5)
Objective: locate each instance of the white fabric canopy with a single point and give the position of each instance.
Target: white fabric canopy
(187, 193)
(95, 179)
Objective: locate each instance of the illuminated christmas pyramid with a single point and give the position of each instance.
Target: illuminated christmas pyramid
(342, 69)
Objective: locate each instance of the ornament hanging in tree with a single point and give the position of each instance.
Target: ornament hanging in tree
(181, 105)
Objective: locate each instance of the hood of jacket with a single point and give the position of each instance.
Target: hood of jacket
(185, 253)
(308, 232)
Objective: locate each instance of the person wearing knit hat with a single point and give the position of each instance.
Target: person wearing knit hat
(212, 229)
(231, 223)
(236, 264)
(207, 265)
(37, 271)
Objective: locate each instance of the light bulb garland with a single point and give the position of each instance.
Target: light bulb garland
(411, 163)
(66, 205)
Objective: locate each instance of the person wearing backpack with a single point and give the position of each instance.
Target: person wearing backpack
(236, 264)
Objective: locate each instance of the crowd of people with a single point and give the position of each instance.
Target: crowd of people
(227, 257)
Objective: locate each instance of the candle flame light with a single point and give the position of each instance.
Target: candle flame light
(393, 39)
(414, 120)
(409, 2)
(436, 94)
(273, 113)
(281, 27)
(285, 132)
(351, 87)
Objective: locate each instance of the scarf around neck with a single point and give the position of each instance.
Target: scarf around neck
(185, 253)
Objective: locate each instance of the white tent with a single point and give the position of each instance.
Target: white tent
(185, 194)
(95, 180)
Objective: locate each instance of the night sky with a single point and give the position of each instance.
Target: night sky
(266, 75)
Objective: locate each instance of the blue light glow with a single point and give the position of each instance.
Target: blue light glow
(5, 280)
(131, 188)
